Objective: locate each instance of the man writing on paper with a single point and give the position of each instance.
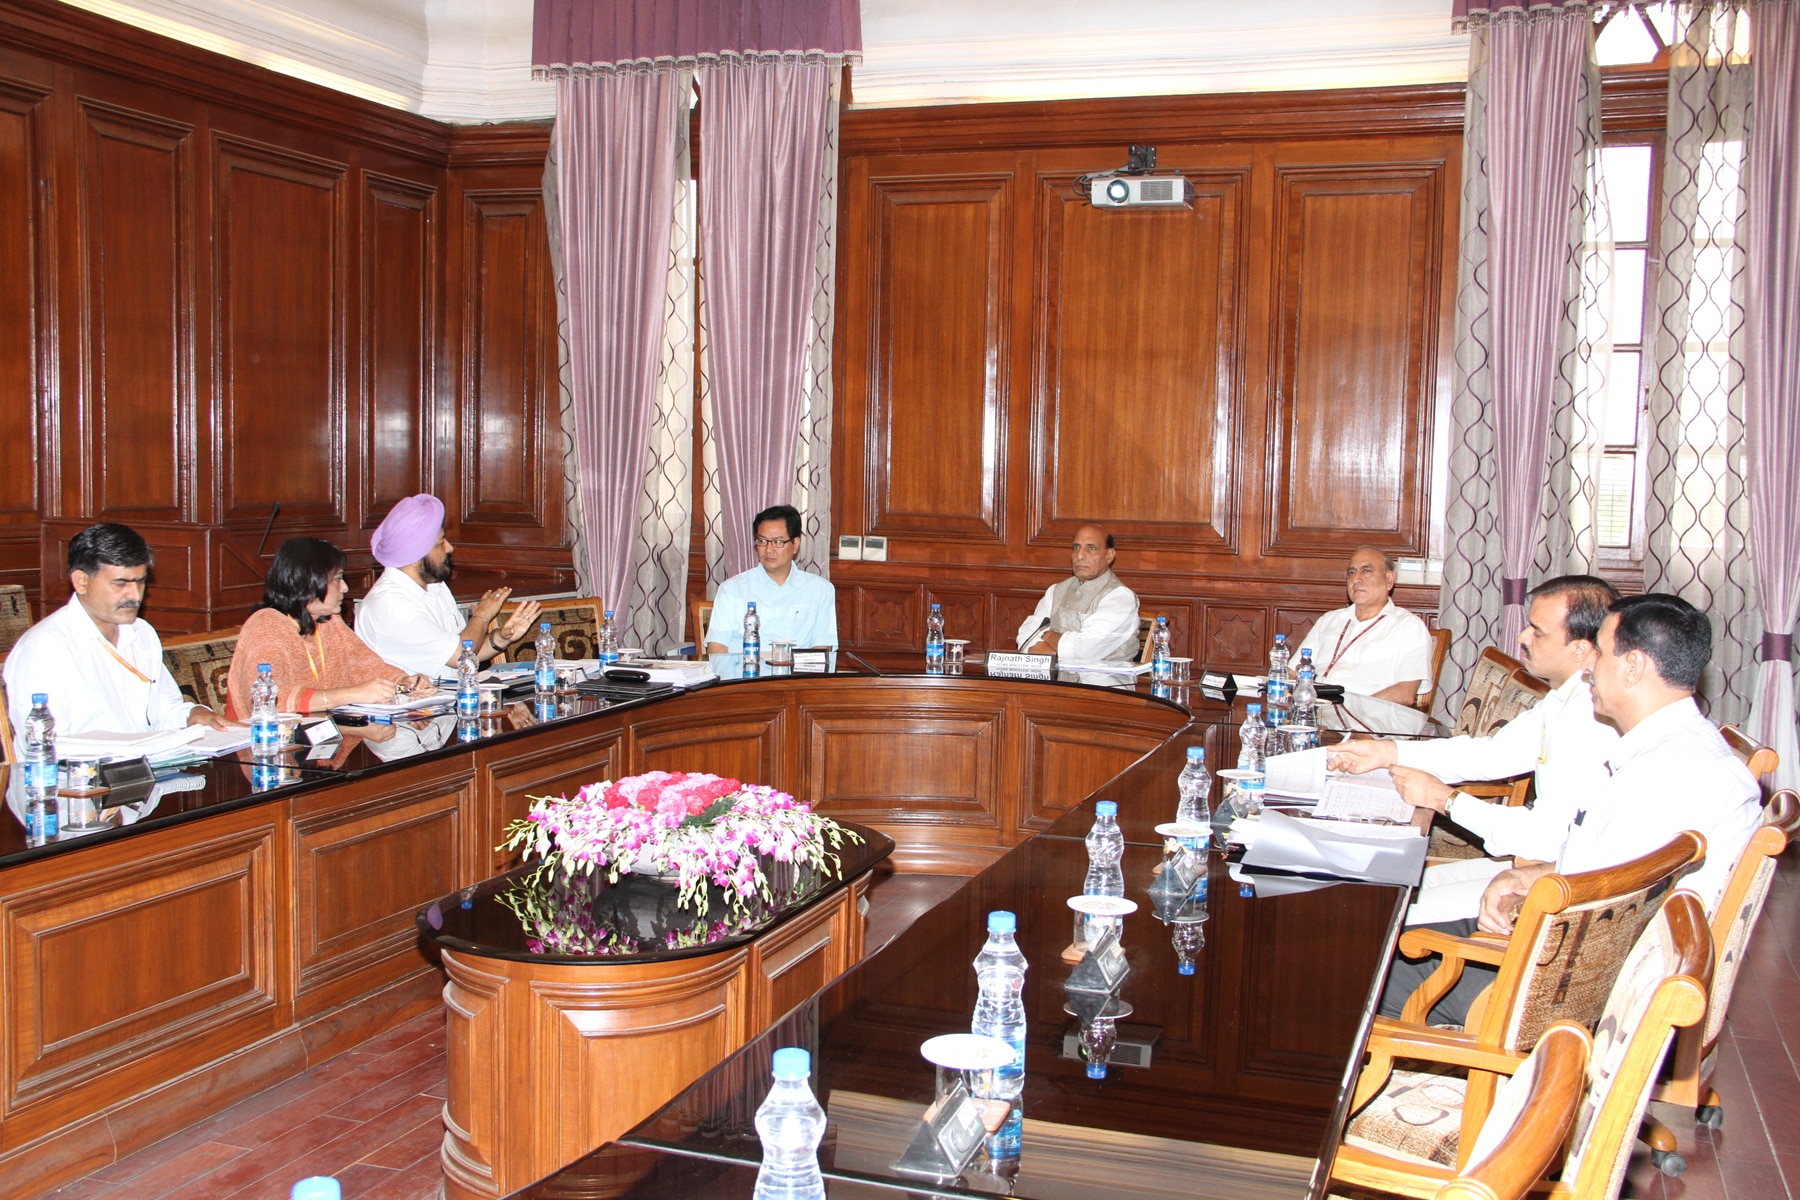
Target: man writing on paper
(1669, 771)
(1090, 617)
(792, 604)
(1558, 739)
(409, 618)
(1373, 647)
(101, 667)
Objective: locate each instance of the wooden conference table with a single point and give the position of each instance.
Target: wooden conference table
(251, 924)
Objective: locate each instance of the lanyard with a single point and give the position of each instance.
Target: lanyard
(318, 668)
(120, 659)
(1338, 651)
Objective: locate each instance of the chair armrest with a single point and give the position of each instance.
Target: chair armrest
(1451, 1047)
(1486, 948)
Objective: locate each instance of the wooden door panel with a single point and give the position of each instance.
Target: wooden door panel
(559, 770)
(948, 762)
(399, 265)
(21, 166)
(747, 747)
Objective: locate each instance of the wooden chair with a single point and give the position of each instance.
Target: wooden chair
(1146, 624)
(1498, 698)
(1530, 1124)
(201, 663)
(1689, 1070)
(15, 616)
(701, 611)
(1569, 942)
(1760, 760)
(574, 620)
(1490, 673)
(1440, 650)
(1660, 986)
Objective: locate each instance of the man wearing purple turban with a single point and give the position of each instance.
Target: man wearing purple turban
(410, 617)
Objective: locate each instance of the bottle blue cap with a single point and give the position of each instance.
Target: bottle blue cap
(1161, 620)
(608, 616)
(264, 669)
(935, 606)
(1096, 1070)
(1106, 808)
(751, 607)
(1184, 968)
(1001, 921)
(468, 644)
(792, 1062)
(1252, 708)
(1196, 753)
(319, 1187)
(40, 697)
(544, 626)
(1281, 637)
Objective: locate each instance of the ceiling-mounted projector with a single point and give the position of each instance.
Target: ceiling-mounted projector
(1140, 191)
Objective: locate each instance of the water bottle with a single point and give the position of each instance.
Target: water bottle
(543, 669)
(1306, 692)
(1105, 847)
(318, 1187)
(609, 640)
(934, 640)
(1195, 787)
(1097, 1042)
(1000, 1009)
(1279, 688)
(790, 1124)
(468, 694)
(468, 729)
(42, 818)
(1161, 668)
(1250, 739)
(265, 727)
(1188, 938)
(752, 639)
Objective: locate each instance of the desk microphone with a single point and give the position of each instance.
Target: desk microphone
(273, 513)
(1033, 635)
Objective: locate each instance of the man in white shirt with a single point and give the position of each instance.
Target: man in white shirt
(1669, 771)
(1558, 740)
(410, 617)
(1090, 617)
(100, 666)
(1373, 647)
(792, 604)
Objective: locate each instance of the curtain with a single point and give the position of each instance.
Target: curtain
(1484, 479)
(1772, 377)
(618, 137)
(762, 151)
(1696, 511)
(578, 35)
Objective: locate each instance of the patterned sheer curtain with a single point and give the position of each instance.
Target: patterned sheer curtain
(1473, 598)
(1697, 512)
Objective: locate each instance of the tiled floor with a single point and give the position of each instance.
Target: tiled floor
(371, 1117)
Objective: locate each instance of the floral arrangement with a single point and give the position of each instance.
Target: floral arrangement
(704, 830)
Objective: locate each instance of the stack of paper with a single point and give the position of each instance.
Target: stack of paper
(98, 744)
(1302, 776)
(683, 672)
(1370, 853)
(414, 704)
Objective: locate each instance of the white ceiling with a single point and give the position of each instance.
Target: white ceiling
(469, 60)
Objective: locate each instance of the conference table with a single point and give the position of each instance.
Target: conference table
(251, 920)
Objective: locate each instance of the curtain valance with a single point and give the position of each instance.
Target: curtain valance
(606, 36)
(1466, 13)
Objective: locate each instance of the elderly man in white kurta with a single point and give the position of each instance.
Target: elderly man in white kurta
(1090, 617)
(1374, 647)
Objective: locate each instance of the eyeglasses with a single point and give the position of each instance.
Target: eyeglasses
(778, 543)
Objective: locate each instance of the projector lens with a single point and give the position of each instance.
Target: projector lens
(1118, 191)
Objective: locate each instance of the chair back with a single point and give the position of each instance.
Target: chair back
(201, 664)
(1489, 675)
(1759, 759)
(1146, 625)
(1520, 693)
(702, 617)
(15, 616)
(1740, 907)
(1661, 988)
(1440, 650)
(575, 621)
(1529, 1124)
(1572, 937)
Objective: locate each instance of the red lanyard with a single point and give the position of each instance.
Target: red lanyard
(1340, 649)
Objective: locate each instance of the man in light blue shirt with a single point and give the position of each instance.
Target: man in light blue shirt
(794, 605)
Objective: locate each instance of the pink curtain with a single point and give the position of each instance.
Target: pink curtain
(618, 139)
(1535, 79)
(1772, 375)
(571, 34)
(762, 143)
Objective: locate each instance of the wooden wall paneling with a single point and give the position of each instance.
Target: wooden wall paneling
(137, 233)
(889, 618)
(559, 766)
(1296, 622)
(1357, 260)
(1010, 610)
(24, 171)
(965, 616)
(935, 271)
(171, 943)
(750, 746)
(1234, 636)
(400, 268)
(1067, 754)
(363, 868)
(1183, 627)
(280, 294)
(1136, 390)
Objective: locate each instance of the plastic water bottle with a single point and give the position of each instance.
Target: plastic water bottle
(543, 669)
(468, 695)
(1000, 1009)
(265, 727)
(1278, 691)
(1250, 739)
(1097, 1042)
(1306, 691)
(1161, 668)
(318, 1187)
(42, 819)
(752, 639)
(934, 640)
(1105, 847)
(609, 640)
(1195, 787)
(791, 1124)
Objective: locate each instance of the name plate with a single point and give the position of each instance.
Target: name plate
(946, 1139)
(319, 732)
(1008, 664)
(1218, 682)
(812, 661)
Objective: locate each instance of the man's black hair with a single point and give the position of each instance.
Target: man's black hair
(1672, 633)
(780, 512)
(108, 544)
